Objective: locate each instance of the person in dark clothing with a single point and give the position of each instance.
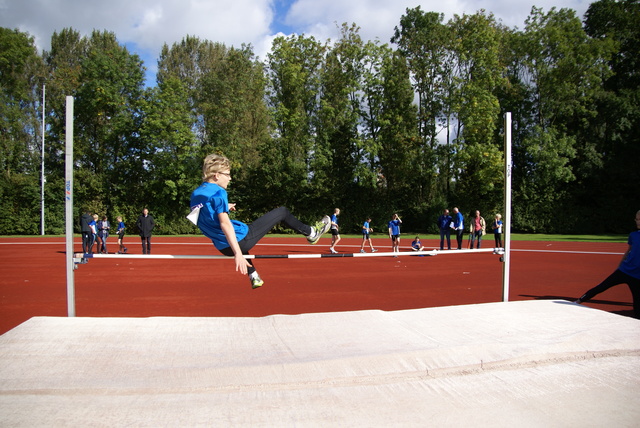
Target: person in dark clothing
(445, 223)
(145, 224)
(628, 272)
(103, 227)
(87, 234)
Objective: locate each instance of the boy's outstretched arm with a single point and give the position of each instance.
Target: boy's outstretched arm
(227, 227)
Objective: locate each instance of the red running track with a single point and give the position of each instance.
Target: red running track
(33, 280)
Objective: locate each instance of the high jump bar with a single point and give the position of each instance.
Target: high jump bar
(285, 256)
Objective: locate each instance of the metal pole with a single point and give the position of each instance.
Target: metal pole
(68, 191)
(507, 208)
(42, 179)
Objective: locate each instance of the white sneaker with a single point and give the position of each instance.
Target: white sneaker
(256, 281)
(320, 228)
(333, 251)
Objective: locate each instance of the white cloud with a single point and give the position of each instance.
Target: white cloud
(378, 18)
(146, 25)
(169, 21)
(514, 13)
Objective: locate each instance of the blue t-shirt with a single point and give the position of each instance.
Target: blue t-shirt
(394, 225)
(365, 228)
(334, 219)
(458, 221)
(213, 200)
(631, 265)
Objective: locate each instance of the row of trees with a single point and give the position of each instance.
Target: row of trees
(413, 126)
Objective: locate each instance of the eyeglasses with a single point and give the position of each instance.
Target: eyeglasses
(228, 174)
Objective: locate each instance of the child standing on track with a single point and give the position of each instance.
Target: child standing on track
(94, 232)
(120, 231)
(497, 230)
(366, 230)
(210, 209)
(103, 234)
(335, 231)
(628, 272)
(394, 233)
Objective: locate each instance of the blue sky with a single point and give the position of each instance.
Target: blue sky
(145, 25)
(279, 23)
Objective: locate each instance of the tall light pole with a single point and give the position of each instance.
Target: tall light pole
(42, 179)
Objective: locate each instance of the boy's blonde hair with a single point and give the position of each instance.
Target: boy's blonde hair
(214, 163)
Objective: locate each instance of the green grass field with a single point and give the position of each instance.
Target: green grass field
(411, 235)
(514, 237)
